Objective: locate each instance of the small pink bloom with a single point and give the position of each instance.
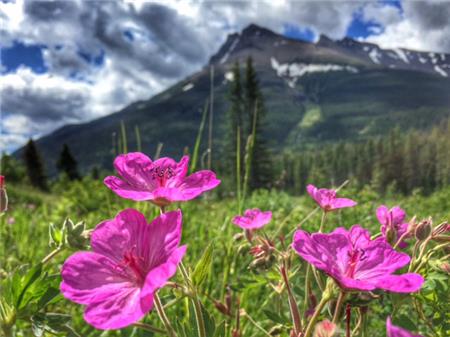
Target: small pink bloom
(2, 181)
(162, 181)
(252, 219)
(325, 329)
(392, 224)
(327, 198)
(355, 262)
(395, 331)
(130, 260)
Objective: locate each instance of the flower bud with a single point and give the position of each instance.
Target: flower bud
(325, 329)
(75, 234)
(3, 196)
(238, 237)
(445, 267)
(423, 230)
(221, 307)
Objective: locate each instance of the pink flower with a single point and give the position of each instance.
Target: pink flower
(327, 198)
(395, 331)
(325, 329)
(252, 219)
(162, 182)
(129, 262)
(392, 226)
(355, 262)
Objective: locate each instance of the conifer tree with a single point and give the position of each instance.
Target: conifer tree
(261, 163)
(34, 166)
(67, 164)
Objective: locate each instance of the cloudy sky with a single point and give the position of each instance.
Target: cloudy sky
(72, 61)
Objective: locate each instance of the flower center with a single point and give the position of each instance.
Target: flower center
(162, 174)
(134, 263)
(355, 256)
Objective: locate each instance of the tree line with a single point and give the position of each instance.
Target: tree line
(399, 161)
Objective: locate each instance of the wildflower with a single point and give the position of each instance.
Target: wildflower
(253, 219)
(395, 331)
(355, 262)
(327, 198)
(162, 181)
(130, 261)
(3, 196)
(325, 329)
(392, 224)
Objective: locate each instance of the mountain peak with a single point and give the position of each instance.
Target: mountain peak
(254, 30)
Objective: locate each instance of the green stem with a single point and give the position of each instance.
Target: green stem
(292, 302)
(337, 310)
(322, 221)
(52, 255)
(195, 301)
(162, 315)
(317, 311)
(149, 327)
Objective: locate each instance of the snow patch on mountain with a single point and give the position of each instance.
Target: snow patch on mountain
(293, 71)
(229, 51)
(229, 76)
(188, 87)
(401, 54)
(375, 56)
(440, 71)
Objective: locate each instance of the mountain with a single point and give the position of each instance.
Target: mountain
(314, 92)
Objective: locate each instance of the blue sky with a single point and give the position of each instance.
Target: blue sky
(73, 61)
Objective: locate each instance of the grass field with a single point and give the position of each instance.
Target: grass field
(25, 241)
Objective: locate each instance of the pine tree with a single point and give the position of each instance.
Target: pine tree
(34, 166)
(67, 164)
(261, 163)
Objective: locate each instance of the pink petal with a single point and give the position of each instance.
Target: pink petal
(382, 215)
(405, 283)
(134, 168)
(125, 190)
(380, 260)
(342, 203)
(354, 284)
(398, 215)
(88, 277)
(321, 250)
(311, 189)
(159, 275)
(359, 236)
(395, 331)
(242, 221)
(164, 238)
(197, 183)
(115, 237)
(119, 310)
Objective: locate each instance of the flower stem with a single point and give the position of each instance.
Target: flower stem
(292, 302)
(317, 311)
(322, 221)
(52, 255)
(337, 310)
(195, 301)
(149, 327)
(162, 315)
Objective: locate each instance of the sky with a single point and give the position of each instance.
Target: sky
(68, 62)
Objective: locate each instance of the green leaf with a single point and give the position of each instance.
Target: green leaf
(220, 330)
(26, 281)
(203, 267)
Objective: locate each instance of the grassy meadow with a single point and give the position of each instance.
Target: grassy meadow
(207, 220)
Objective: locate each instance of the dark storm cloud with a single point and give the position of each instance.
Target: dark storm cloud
(430, 15)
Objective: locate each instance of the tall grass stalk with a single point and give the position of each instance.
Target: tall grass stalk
(249, 154)
(238, 169)
(123, 134)
(198, 140)
(138, 138)
(211, 118)
(158, 150)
